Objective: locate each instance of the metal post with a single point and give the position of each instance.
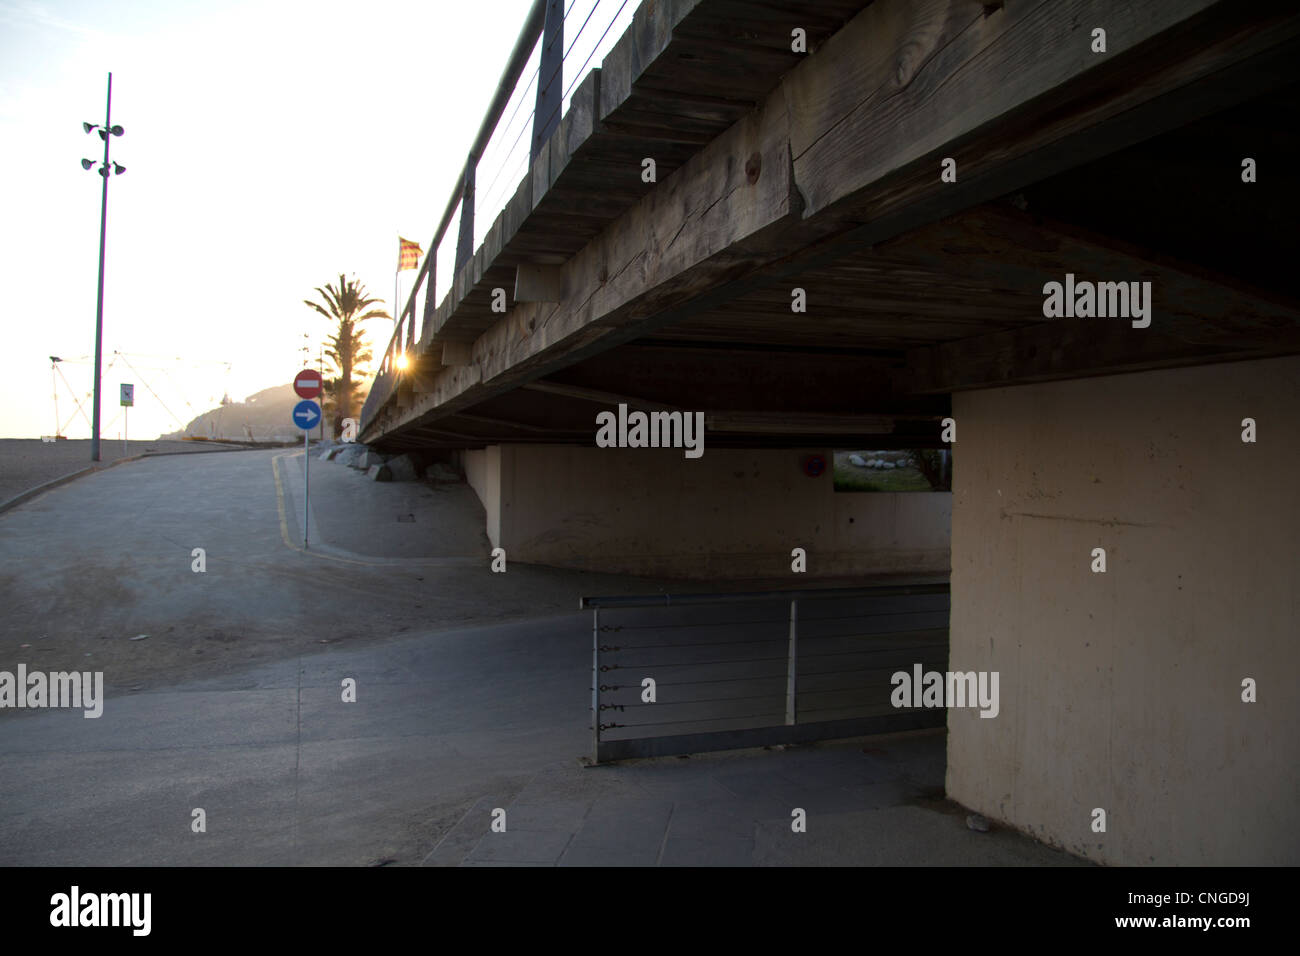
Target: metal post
(306, 484)
(126, 414)
(99, 307)
(595, 685)
(55, 382)
(550, 79)
(465, 242)
(791, 665)
(430, 291)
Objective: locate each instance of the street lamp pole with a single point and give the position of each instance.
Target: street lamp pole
(107, 132)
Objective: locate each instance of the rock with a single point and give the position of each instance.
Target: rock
(887, 464)
(403, 468)
(368, 459)
(858, 460)
(440, 471)
(329, 454)
(379, 472)
(349, 454)
(978, 823)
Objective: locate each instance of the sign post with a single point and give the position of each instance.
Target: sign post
(306, 414)
(128, 399)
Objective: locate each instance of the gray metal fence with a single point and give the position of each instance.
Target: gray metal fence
(754, 669)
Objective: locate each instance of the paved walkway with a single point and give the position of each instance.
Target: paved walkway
(870, 802)
(472, 693)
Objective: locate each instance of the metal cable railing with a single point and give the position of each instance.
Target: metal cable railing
(800, 666)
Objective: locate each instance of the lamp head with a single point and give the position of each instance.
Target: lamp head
(88, 126)
(117, 131)
(118, 169)
(87, 163)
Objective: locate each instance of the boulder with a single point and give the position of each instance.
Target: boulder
(858, 460)
(403, 468)
(887, 465)
(349, 454)
(379, 473)
(329, 454)
(440, 471)
(368, 459)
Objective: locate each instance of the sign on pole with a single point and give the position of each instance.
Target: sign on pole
(305, 415)
(307, 383)
(128, 399)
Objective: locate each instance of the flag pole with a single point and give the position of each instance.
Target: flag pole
(397, 285)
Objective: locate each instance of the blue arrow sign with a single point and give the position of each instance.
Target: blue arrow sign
(306, 414)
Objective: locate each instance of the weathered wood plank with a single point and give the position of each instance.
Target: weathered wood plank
(640, 45)
(537, 283)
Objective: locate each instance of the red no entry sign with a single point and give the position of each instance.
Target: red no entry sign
(307, 383)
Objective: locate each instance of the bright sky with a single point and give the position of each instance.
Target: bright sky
(269, 145)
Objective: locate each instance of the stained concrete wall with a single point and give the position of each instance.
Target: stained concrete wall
(1122, 690)
(730, 514)
(473, 463)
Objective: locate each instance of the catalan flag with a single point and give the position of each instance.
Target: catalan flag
(408, 254)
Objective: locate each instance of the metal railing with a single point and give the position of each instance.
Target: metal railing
(502, 153)
(755, 669)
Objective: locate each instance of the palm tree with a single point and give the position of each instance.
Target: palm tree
(345, 304)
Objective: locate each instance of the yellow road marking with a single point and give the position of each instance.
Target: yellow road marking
(284, 524)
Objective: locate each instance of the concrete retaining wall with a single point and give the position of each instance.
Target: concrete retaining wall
(731, 513)
(1122, 690)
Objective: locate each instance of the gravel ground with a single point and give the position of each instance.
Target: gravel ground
(28, 462)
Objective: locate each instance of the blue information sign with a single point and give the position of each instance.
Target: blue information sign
(306, 414)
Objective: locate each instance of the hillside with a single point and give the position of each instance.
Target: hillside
(263, 415)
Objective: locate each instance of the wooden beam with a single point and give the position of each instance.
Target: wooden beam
(1195, 316)
(788, 423)
(596, 396)
(457, 353)
(507, 423)
(1072, 348)
(537, 283)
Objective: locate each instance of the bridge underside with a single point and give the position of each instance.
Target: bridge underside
(1167, 159)
(679, 294)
